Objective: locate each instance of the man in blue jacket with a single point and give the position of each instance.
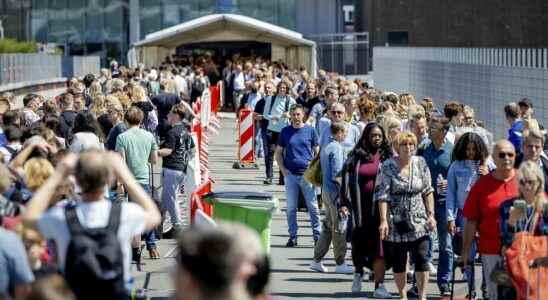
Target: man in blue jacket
(515, 135)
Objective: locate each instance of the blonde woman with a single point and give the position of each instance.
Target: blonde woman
(95, 89)
(529, 210)
(37, 171)
(404, 193)
(140, 99)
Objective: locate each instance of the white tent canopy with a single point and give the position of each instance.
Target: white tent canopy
(287, 45)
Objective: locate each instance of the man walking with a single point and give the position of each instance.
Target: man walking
(138, 148)
(297, 145)
(176, 152)
(437, 154)
(331, 160)
(533, 145)
(482, 210)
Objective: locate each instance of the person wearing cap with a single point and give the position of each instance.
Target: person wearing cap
(526, 108)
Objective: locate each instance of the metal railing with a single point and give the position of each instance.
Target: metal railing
(21, 68)
(507, 57)
(484, 78)
(344, 53)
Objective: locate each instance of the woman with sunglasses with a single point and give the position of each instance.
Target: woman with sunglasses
(526, 213)
(358, 181)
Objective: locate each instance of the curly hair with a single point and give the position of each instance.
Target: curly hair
(37, 171)
(459, 152)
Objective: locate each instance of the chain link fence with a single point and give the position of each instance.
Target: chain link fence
(344, 53)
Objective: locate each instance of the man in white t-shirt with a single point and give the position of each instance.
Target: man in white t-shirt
(94, 171)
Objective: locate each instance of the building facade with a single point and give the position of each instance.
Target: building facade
(449, 23)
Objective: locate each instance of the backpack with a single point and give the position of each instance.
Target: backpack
(197, 89)
(186, 142)
(94, 267)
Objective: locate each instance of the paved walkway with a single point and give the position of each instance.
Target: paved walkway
(291, 277)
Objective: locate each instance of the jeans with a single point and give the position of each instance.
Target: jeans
(150, 237)
(271, 140)
(330, 232)
(171, 183)
(294, 183)
(445, 264)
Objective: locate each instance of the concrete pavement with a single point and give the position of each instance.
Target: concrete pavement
(291, 278)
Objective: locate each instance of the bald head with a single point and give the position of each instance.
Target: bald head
(504, 155)
(503, 144)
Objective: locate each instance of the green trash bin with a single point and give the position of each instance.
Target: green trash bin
(253, 209)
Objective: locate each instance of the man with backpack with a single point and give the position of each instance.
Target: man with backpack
(176, 152)
(93, 235)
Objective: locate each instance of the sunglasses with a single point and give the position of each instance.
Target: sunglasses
(337, 112)
(506, 154)
(527, 182)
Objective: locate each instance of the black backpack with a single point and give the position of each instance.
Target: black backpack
(94, 266)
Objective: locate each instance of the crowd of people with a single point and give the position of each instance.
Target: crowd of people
(399, 178)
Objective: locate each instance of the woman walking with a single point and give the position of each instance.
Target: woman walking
(358, 183)
(404, 193)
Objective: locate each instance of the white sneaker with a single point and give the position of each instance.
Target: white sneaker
(432, 269)
(344, 269)
(318, 267)
(381, 293)
(357, 283)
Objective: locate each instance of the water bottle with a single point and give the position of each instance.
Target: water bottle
(343, 223)
(439, 189)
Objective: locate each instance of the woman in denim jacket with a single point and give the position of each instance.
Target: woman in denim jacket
(469, 163)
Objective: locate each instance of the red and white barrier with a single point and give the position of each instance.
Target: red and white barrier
(205, 124)
(246, 137)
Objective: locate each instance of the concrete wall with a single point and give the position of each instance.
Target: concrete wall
(485, 79)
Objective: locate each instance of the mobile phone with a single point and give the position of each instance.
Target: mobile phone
(520, 204)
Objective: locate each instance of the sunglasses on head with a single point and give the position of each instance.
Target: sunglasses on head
(506, 154)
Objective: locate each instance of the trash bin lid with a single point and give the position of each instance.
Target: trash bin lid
(252, 200)
(240, 195)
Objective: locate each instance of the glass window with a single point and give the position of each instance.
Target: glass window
(114, 20)
(268, 12)
(95, 21)
(76, 21)
(249, 8)
(170, 12)
(150, 16)
(286, 13)
(39, 20)
(57, 15)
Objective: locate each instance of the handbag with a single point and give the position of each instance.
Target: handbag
(530, 282)
(313, 173)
